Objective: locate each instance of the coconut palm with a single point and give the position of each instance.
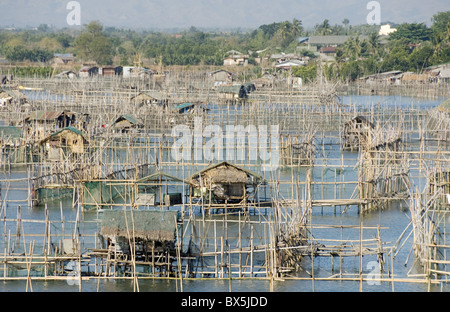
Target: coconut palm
(296, 28)
(374, 43)
(325, 27)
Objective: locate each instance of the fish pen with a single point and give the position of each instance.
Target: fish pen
(170, 178)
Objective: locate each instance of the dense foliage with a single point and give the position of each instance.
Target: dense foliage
(412, 47)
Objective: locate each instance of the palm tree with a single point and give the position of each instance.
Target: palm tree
(437, 44)
(374, 43)
(448, 32)
(347, 48)
(285, 30)
(325, 27)
(352, 48)
(296, 27)
(357, 47)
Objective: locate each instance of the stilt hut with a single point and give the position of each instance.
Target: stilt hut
(148, 98)
(224, 183)
(233, 93)
(125, 123)
(356, 133)
(39, 124)
(66, 141)
(143, 235)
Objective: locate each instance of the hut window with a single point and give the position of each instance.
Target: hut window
(234, 190)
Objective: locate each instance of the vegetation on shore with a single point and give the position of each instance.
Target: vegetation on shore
(413, 47)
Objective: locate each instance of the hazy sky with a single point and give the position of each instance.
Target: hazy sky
(214, 13)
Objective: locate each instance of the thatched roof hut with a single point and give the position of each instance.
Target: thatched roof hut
(233, 92)
(150, 98)
(146, 225)
(69, 137)
(125, 123)
(224, 180)
(225, 173)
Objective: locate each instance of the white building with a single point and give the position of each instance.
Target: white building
(386, 30)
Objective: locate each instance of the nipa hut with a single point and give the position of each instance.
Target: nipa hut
(223, 183)
(68, 139)
(153, 232)
(39, 124)
(125, 123)
(232, 93)
(150, 98)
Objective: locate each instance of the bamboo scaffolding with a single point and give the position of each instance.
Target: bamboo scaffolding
(270, 236)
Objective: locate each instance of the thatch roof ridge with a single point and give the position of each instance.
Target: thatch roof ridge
(69, 128)
(130, 118)
(158, 174)
(227, 164)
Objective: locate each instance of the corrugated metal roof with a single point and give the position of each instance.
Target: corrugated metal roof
(159, 176)
(43, 115)
(332, 39)
(184, 105)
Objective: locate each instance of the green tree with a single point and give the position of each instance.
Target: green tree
(350, 71)
(397, 59)
(421, 58)
(441, 24)
(308, 73)
(374, 44)
(324, 28)
(92, 44)
(414, 33)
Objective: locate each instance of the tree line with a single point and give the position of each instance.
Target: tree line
(413, 47)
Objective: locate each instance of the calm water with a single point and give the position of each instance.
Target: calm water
(393, 220)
